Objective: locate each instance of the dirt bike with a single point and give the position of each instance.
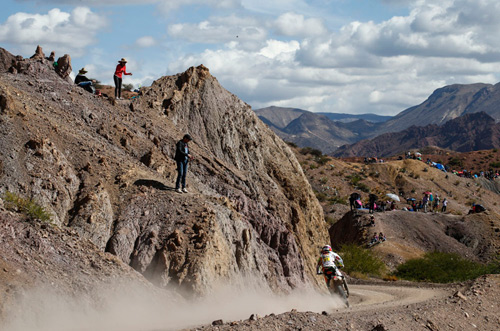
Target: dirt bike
(338, 284)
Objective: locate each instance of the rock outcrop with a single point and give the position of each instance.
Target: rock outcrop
(106, 172)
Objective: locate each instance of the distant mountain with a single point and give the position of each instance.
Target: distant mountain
(445, 104)
(475, 131)
(346, 118)
(318, 130)
(279, 117)
(326, 131)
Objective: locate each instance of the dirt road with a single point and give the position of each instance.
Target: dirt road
(369, 297)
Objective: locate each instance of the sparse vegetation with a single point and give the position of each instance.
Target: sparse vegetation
(322, 160)
(29, 207)
(321, 196)
(354, 179)
(358, 259)
(338, 200)
(128, 87)
(455, 162)
(441, 267)
(495, 164)
(291, 144)
(330, 220)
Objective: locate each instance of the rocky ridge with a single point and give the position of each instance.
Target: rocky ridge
(104, 170)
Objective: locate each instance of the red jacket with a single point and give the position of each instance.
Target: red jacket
(121, 69)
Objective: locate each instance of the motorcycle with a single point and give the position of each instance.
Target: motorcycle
(338, 284)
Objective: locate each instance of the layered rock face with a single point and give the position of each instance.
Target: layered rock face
(107, 173)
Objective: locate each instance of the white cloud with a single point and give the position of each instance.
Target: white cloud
(247, 32)
(146, 41)
(291, 24)
(57, 30)
(168, 5)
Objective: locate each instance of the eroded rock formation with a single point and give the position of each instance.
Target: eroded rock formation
(107, 173)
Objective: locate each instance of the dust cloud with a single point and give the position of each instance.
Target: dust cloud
(133, 309)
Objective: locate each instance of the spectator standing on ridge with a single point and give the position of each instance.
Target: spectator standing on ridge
(435, 206)
(445, 203)
(425, 202)
(371, 203)
(182, 157)
(120, 70)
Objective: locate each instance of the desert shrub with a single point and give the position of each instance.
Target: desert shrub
(29, 207)
(455, 162)
(322, 160)
(128, 87)
(313, 166)
(291, 144)
(363, 187)
(403, 170)
(305, 150)
(390, 278)
(338, 200)
(495, 164)
(321, 196)
(323, 180)
(439, 267)
(354, 179)
(358, 259)
(311, 151)
(330, 220)
(456, 183)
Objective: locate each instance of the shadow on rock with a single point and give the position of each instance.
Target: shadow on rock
(153, 183)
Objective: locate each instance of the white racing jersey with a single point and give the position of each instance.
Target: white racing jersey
(330, 260)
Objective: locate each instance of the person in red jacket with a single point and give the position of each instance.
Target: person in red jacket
(121, 69)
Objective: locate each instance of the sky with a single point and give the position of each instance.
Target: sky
(341, 56)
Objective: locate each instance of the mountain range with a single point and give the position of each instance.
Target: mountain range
(444, 104)
(470, 132)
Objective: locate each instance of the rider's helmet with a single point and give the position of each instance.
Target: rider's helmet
(326, 249)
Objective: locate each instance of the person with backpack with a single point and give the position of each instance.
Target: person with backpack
(182, 157)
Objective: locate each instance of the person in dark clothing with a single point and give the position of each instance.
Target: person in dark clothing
(84, 82)
(182, 157)
(372, 198)
(352, 200)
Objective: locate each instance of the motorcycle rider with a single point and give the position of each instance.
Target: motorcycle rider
(329, 264)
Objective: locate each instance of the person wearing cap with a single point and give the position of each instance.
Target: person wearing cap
(82, 81)
(182, 157)
(120, 70)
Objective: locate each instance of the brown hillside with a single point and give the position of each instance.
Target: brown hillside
(410, 234)
(104, 171)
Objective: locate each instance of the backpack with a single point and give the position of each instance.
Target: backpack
(431, 198)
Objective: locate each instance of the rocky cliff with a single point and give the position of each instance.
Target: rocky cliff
(104, 170)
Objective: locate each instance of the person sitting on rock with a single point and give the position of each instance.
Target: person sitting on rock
(375, 239)
(84, 82)
(381, 237)
(372, 221)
